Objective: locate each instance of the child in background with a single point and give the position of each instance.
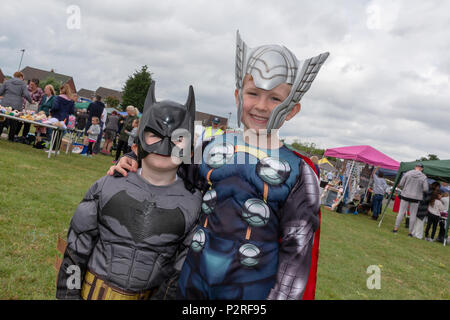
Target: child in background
(434, 214)
(444, 217)
(132, 134)
(92, 132)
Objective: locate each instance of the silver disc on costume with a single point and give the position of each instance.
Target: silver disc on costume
(256, 212)
(219, 154)
(198, 241)
(209, 201)
(273, 171)
(249, 255)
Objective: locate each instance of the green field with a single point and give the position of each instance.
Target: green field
(39, 196)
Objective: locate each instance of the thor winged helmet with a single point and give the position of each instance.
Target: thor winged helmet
(270, 66)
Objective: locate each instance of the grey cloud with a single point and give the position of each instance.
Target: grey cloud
(372, 90)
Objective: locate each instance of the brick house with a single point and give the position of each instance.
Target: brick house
(2, 76)
(206, 119)
(34, 73)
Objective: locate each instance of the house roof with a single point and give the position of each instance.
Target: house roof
(85, 93)
(106, 92)
(32, 73)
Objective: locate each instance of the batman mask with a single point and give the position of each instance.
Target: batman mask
(169, 121)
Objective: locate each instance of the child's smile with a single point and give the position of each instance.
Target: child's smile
(258, 103)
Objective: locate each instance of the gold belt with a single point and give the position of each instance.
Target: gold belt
(94, 288)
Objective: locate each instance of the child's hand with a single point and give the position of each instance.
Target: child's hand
(123, 165)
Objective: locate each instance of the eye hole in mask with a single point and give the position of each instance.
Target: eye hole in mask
(151, 136)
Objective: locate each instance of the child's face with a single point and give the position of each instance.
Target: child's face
(135, 124)
(258, 104)
(94, 121)
(160, 162)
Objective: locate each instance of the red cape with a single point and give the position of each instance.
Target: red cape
(310, 290)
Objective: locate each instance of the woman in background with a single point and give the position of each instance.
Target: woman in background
(13, 92)
(62, 107)
(36, 94)
(47, 99)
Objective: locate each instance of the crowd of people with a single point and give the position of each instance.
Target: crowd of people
(426, 204)
(93, 124)
(423, 205)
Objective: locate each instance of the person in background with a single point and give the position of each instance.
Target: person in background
(414, 184)
(47, 99)
(209, 132)
(100, 135)
(315, 160)
(45, 106)
(444, 217)
(111, 128)
(122, 145)
(379, 189)
(93, 131)
(13, 92)
(36, 94)
(63, 106)
(132, 134)
(3, 124)
(346, 173)
(434, 214)
(330, 176)
(422, 210)
(81, 121)
(95, 109)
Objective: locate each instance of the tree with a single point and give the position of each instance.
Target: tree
(136, 87)
(309, 148)
(430, 157)
(50, 80)
(112, 102)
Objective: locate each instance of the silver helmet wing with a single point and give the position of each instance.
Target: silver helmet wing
(270, 66)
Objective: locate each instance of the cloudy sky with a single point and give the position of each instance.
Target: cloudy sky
(385, 84)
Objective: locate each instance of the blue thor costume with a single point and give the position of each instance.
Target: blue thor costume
(235, 252)
(128, 237)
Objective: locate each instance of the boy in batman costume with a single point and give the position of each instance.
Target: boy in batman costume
(129, 236)
(258, 234)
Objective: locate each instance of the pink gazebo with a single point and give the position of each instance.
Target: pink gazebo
(365, 154)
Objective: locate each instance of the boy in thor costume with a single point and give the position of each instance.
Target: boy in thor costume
(261, 210)
(129, 235)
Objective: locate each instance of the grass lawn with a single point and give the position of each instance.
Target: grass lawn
(39, 196)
